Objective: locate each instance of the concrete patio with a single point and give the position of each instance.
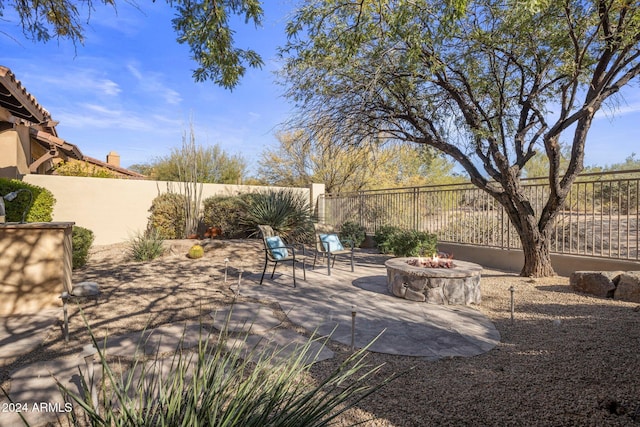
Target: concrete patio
(322, 304)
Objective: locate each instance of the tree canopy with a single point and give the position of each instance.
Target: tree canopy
(204, 25)
(212, 165)
(490, 87)
(300, 160)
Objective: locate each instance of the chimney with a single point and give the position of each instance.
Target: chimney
(113, 159)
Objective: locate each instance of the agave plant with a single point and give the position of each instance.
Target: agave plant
(286, 211)
(220, 386)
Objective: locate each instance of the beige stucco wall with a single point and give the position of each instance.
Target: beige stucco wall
(35, 266)
(8, 154)
(115, 209)
(14, 150)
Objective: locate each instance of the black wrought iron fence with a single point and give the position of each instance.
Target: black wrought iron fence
(600, 217)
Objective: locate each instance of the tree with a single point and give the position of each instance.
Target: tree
(214, 165)
(300, 160)
(202, 24)
(490, 87)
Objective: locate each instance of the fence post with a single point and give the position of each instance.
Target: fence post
(416, 213)
(316, 201)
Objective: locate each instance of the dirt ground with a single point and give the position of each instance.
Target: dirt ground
(567, 359)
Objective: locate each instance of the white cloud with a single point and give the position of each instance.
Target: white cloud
(81, 80)
(152, 83)
(103, 117)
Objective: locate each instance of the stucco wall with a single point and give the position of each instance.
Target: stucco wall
(14, 150)
(115, 209)
(35, 266)
(8, 154)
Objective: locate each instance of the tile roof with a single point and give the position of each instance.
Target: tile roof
(24, 106)
(15, 98)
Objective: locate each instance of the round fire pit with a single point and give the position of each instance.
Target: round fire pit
(457, 285)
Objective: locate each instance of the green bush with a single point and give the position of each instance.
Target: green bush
(219, 385)
(353, 232)
(146, 246)
(225, 212)
(384, 236)
(167, 216)
(404, 243)
(414, 243)
(41, 209)
(82, 239)
(286, 211)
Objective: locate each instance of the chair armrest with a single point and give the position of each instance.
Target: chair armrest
(290, 248)
(350, 242)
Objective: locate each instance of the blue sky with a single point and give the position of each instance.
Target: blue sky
(129, 88)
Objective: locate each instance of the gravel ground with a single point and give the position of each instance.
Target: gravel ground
(567, 359)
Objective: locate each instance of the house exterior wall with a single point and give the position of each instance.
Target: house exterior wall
(15, 151)
(8, 154)
(116, 209)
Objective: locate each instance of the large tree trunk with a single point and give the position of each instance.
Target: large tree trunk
(537, 259)
(535, 241)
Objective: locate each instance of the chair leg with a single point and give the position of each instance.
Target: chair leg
(352, 270)
(293, 264)
(275, 264)
(329, 263)
(264, 270)
(304, 271)
(315, 255)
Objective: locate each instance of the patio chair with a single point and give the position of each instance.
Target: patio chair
(328, 245)
(277, 251)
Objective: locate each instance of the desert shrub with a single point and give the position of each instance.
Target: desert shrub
(220, 386)
(384, 236)
(195, 252)
(83, 168)
(146, 246)
(168, 216)
(82, 239)
(41, 209)
(225, 212)
(413, 243)
(286, 211)
(399, 242)
(352, 231)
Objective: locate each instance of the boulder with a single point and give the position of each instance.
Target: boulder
(598, 283)
(628, 288)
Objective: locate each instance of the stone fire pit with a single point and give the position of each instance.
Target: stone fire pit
(458, 285)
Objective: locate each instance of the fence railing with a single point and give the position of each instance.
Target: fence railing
(600, 217)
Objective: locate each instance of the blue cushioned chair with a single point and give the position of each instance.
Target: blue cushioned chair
(276, 250)
(328, 245)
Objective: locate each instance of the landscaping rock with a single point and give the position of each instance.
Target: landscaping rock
(598, 283)
(628, 288)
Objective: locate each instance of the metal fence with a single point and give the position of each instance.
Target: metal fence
(599, 218)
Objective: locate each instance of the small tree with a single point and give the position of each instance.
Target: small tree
(214, 165)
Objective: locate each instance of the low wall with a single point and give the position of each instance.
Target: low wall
(513, 260)
(116, 209)
(35, 266)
